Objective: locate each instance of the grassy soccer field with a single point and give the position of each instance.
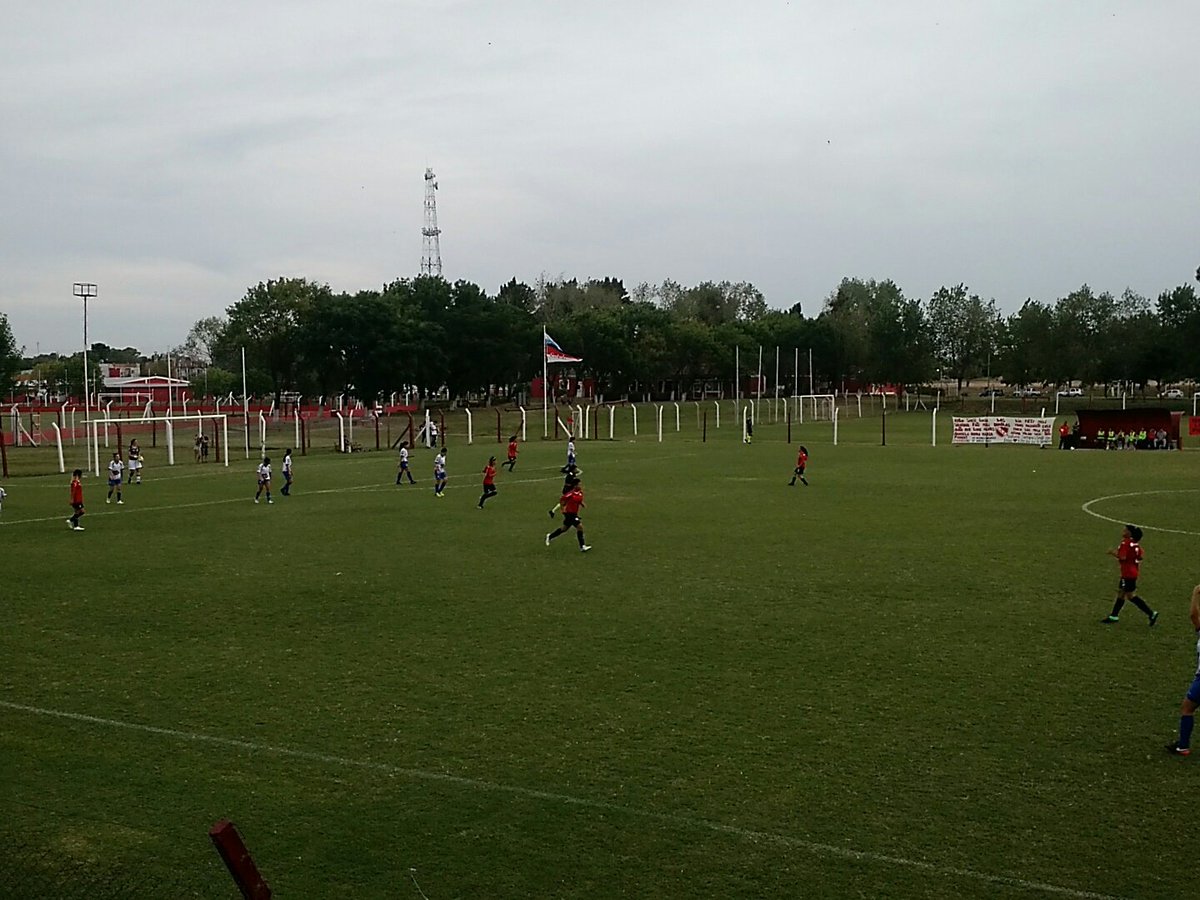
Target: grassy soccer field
(890, 683)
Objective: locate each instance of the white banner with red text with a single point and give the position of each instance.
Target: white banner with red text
(1003, 430)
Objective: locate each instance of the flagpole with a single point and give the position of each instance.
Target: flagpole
(545, 388)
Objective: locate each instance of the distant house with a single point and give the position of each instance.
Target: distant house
(125, 385)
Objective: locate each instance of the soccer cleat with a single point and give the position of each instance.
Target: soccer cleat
(1153, 618)
(584, 548)
(70, 524)
(77, 528)
(255, 499)
(120, 503)
(1176, 750)
(270, 500)
(108, 499)
(1109, 620)
(547, 539)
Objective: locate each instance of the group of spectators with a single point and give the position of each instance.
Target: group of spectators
(1110, 439)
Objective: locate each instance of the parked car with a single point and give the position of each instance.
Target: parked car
(1172, 394)
(1071, 392)
(991, 392)
(1026, 392)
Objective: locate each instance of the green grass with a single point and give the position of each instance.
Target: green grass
(891, 683)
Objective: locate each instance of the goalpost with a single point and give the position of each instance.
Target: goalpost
(95, 426)
(820, 407)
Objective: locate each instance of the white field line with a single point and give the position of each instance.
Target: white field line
(360, 488)
(1087, 508)
(813, 847)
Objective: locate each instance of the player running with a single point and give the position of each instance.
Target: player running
(512, 453)
(116, 472)
(264, 479)
(76, 500)
(1129, 554)
(571, 502)
(439, 473)
(402, 468)
(489, 480)
(801, 462)
(573, 473)
(1191, 700)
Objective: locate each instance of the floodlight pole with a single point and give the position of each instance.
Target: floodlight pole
(84, 290)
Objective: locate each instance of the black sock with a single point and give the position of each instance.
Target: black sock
(555, 533)
(805, 480)
(1120, 601)
(579, 534)
(1141, 604)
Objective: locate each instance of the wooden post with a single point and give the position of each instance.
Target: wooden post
(232, 849)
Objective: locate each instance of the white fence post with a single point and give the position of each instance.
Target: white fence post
(935, 426)
(612, 415)
(718, 406)
(470, 427)
(522, 422)
(62, 465)
(170, 442)
(633, 406)
(225, 439)
(676, 417)
(660, 412)
(297, 426)
(835, 425)
(341, 432)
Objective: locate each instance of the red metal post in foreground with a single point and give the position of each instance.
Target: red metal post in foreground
(237, 858)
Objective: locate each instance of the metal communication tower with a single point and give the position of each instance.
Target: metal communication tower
(431, 247)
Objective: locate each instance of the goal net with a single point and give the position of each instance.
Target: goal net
(814, 407)
(180, 430)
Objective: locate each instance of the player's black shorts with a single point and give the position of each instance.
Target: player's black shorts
(1127, 585)
(799, 470)
(570, 519)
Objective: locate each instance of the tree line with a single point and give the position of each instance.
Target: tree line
(431, 334)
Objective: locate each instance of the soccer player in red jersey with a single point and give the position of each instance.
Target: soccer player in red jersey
(801, 462)
(76, 500)
(571, 502)
(1129, 554)
(512, 453)
(489, 480)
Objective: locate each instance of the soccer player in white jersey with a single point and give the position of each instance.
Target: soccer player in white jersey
(287, 473)
(1191, 700)
(116, 472)
(570, 454)
(264, 479)
(439, 473)
(402, 468)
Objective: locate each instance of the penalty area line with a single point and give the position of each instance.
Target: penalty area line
(813, 847)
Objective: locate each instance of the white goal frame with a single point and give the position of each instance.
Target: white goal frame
(798, 403)
(94, 426)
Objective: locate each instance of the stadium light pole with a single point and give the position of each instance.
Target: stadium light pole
(83, 290)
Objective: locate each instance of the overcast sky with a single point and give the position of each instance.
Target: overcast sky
(176, 153)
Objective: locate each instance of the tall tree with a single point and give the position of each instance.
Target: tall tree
(10, 358)
(266, 321)
(1179, 312)
(963, 330)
